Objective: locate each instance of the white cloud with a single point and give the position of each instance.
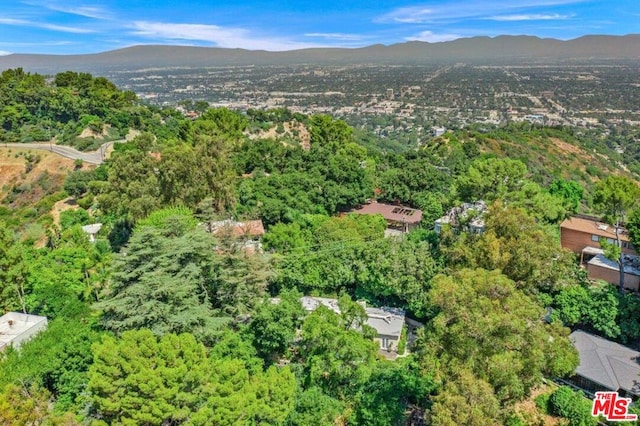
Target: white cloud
(457, 9)
(87, 11)
(431, 37)
(63, 29)
(529, 17)
(336, 36)
(40, 43)
(4, 53)
(10, 21)
(219, 36)
(52, 27)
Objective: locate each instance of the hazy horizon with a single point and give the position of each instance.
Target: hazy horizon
(78, 27)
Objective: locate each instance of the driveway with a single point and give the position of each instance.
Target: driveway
(92, 157)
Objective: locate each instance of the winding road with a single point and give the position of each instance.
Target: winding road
(92, 157)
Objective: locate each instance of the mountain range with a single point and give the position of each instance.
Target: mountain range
(503, 49)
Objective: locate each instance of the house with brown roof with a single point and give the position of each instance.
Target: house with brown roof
(248, 233)
(582, 235)
(400, 219)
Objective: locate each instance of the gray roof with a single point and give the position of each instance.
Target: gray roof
(386, 321)
(94, 228)
(16, 327)
(629, 263)
(610, 364)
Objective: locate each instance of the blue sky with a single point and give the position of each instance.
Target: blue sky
(79, 26)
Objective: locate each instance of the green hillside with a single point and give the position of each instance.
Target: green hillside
(158, 321)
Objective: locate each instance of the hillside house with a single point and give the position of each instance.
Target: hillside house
(16, 328)
(605, 365)
(582, 235)
(388, 322)
(248, 234)
(400, 219)
(601, 268)
(468, 217)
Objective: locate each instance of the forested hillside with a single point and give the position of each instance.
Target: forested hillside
(159, 321)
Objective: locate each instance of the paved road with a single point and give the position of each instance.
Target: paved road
(92, 157)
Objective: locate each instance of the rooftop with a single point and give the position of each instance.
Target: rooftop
(464, 211)
(592, 226)
(250, 228)
(386, 321)
(15, 327)
(391, 212)
(610, 364)
(630, 264)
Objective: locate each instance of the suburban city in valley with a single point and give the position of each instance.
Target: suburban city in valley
(581, 95)
(420, 214)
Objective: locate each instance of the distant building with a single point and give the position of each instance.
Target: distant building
(438, 131)
(399, 218)
(16, 328)
(605, 365)
(388, 322)
(92, 230)
(468, 217)
(390, 94)
(248, 233)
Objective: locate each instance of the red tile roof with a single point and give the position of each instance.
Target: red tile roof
(250, 228)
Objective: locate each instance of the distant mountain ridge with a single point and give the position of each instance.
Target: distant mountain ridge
(475, 49)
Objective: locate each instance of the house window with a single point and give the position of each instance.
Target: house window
(595, 238)
(384, 343)
(627, 245)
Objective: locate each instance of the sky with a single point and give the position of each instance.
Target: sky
(79, 26)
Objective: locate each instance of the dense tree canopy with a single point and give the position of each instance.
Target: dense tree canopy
(159, 322)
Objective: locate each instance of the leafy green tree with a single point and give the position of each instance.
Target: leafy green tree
(315, 408)
(133, 190)
(13, 266)
(485, 323)
(465, 400)
(143, 379)
(336, 358)
(70, 218)
(20, 405)
(491, 178)
(570, 191)
(633, 227)
(240, 280)
(514, 242)
(77, 182)
(56, 360)
(397, 273)
(286, 237)
(385, 396)
(565, 402)
(273, 328)
(162, 281)
(615, 196)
